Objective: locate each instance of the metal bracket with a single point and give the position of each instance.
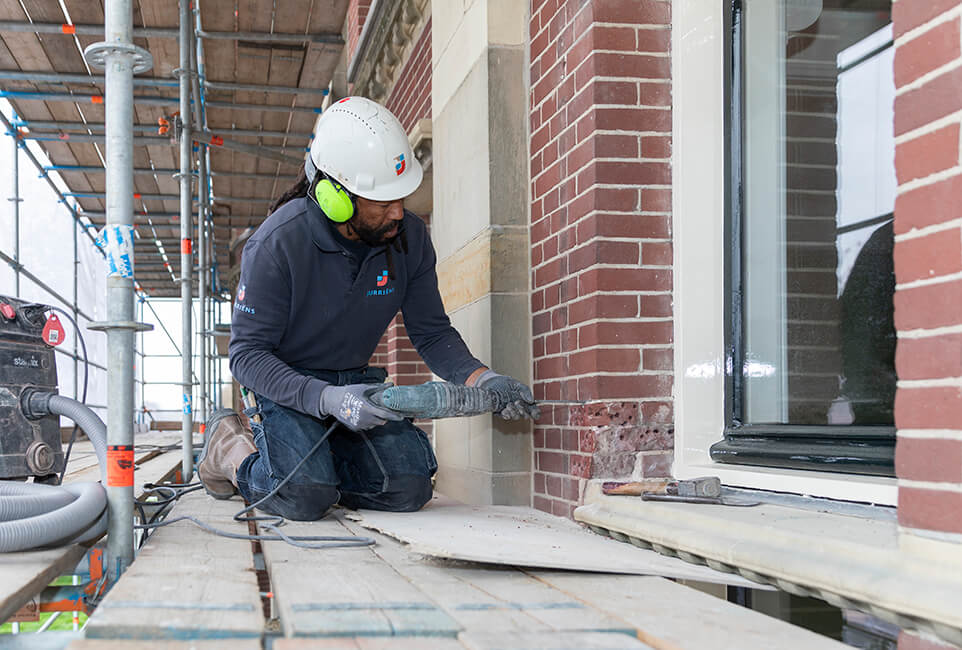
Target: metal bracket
(96, 55)
(105, 326)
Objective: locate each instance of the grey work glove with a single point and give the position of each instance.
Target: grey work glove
(521, 402)
(355, 411)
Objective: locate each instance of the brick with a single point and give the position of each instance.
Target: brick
(539, 483)
(624, 386)
(655, 93)
(928, 205)
(624, 279)
(624, 173)
(541, 503)
(606, 37)
(927, 257)
(656, 254)
(607, 91)
(656, 200)
(550, 272)
(927, 154)
(653, 464)
(929, 358)
(550, 461)
(551, 368)
(928, 408)
(937, 98)
(938, 510)
(602, 360)
(639, 12)
(908, 15)
(654, 40)
(925, 459)
(603, 306)
(934, 48)
(604, 224)
(581, 465)
(629, 119)
(929, 306)
(662, 359)
(656, 147)
(602, 252)
(628, 333)
(554, 486)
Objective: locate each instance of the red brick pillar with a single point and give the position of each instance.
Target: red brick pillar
(928, 267)
(600, 148)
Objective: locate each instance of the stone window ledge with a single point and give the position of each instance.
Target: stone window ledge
(846, 554)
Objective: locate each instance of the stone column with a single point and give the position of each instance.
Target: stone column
(480, 232)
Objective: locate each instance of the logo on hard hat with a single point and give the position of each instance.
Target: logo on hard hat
(401, 164)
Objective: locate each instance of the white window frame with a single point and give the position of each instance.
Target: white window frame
(698, 196)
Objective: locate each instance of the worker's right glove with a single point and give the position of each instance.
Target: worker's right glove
(355, 411)
(520, 400)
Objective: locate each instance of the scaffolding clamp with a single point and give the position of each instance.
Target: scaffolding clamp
(96, 55)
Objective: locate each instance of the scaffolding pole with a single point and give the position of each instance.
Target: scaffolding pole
(186, 261)
(15, 202)
(201, 230)
(120, 58)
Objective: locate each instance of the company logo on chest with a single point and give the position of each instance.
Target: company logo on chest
(382, 288)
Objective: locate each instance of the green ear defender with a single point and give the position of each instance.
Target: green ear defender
(334, 201)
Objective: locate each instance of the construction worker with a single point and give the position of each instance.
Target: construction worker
(321, 280)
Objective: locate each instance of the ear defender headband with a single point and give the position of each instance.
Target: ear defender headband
(334, 200)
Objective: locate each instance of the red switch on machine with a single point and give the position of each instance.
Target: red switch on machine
(7, 311)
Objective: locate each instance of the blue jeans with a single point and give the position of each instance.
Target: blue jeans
(385, 468)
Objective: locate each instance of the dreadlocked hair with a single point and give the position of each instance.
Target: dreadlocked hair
(297, 190)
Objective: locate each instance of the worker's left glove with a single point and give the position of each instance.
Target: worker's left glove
(351, 406)
(520, 400)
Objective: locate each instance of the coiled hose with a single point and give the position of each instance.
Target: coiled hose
(34, 515)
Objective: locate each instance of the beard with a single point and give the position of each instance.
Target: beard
(375, 236)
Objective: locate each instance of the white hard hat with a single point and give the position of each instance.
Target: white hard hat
(362, 146)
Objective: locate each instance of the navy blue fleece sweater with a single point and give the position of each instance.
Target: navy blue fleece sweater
(306, 300)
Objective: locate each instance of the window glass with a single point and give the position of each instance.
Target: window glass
(816, 337)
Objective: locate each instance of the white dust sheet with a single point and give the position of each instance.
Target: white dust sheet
(519, 536)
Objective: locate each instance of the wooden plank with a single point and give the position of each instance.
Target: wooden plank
(186, 583)
(552, 641)
(518, 536)
(369, 643)
(126, 644)
(26, 574)
(484, 597)
(670, 615)
(347, 591)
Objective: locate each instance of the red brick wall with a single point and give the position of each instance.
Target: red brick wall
(928, 264)
(410, 99)
(601, 255)
(356, 15)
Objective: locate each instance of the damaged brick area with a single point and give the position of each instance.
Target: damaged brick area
(609, 440)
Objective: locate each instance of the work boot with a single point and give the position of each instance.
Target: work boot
(226, 444)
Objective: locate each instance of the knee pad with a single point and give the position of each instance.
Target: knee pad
(408, 493)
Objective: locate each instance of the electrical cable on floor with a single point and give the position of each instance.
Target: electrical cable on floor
(271, 523)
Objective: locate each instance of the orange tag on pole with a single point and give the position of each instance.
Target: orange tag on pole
(68, 29)
(120, 465)
(186, 247)
(53, 331)
(97, 99)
